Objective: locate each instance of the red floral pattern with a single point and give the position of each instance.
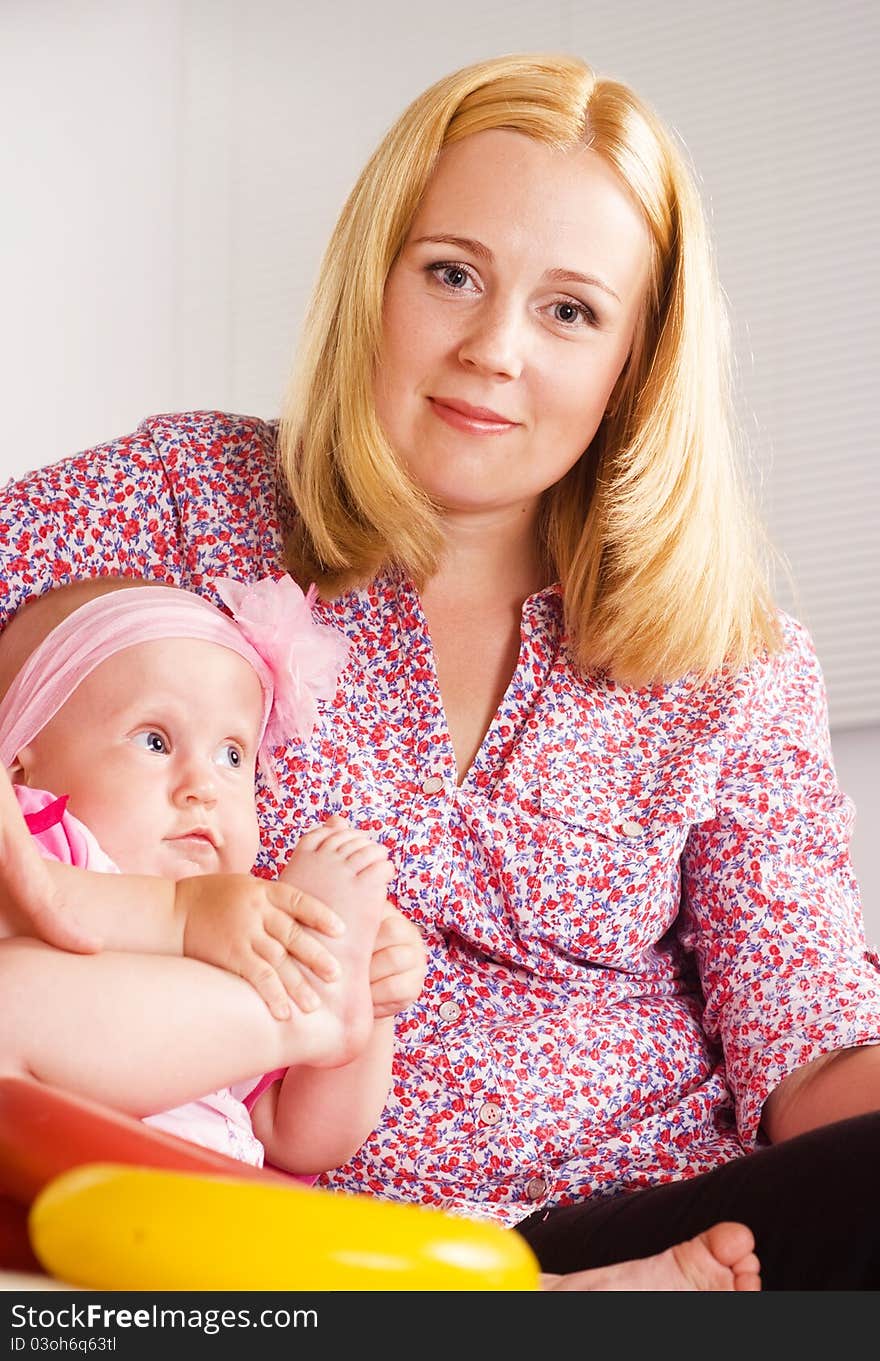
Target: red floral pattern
(639, 905)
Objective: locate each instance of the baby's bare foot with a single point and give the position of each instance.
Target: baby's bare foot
(349, 872)
(343, 867)
(722, 1258)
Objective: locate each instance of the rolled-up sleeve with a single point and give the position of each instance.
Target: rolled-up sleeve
(770, 904)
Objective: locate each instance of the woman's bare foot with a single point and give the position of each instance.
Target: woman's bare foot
(722, 1258)
(350, 872)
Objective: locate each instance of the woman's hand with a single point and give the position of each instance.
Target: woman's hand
(30, 901)
(397, 967)
(259, 929)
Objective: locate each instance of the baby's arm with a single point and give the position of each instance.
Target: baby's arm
(143, 1033)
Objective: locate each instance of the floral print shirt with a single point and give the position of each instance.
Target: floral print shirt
(639, 906)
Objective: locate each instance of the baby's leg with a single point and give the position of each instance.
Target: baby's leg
(350, 872)
(140, 1033)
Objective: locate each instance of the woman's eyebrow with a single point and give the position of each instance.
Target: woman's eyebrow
(574, 276)
(482, 252)
(463, 242)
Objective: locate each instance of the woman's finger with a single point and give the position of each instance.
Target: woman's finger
(388, 997)
(394, 959)
(343, 838)
(51, 924)
(367, 854)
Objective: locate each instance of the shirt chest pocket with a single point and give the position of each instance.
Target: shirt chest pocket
(607, 885)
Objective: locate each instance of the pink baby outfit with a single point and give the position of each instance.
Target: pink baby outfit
(221, 1120)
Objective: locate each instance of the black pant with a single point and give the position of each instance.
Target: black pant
(813, 1204)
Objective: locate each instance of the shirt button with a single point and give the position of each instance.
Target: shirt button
(432, 785)
(490, 1114)
(630, 828)
(536, 1188)
(449, 1011)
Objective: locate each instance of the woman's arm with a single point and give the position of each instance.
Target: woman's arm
(833, 1087)
(771, 908)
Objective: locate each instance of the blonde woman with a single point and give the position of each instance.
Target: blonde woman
(596, 751)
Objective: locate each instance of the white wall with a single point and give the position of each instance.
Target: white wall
(171, 170)
(89, 231)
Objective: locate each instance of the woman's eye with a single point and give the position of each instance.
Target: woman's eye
(451, 276)
(230, 754)
(152, 741)
(570, 313)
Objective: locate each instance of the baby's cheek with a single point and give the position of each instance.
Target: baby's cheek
(241, 836)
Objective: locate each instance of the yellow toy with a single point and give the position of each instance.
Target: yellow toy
(114, 1227)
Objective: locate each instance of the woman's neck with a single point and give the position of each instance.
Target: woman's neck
(495, 556)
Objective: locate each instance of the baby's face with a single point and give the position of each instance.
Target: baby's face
(156, 750)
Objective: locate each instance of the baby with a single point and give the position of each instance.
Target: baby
(132, 732)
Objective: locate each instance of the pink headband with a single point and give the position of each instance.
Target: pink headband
(297, 660)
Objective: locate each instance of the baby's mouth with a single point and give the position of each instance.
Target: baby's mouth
(196, 836)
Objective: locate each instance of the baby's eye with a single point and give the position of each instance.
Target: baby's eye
(229, 754)
(152, 741)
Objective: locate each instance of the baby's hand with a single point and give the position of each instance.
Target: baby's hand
(397, 967)
(257, 928)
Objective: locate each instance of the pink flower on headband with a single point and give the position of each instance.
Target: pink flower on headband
(305, 658)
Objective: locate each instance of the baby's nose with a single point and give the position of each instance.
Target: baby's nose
(196, 784)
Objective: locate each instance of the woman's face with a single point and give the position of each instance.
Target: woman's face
(508, 316)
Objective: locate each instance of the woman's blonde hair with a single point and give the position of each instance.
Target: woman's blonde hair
(650, 534)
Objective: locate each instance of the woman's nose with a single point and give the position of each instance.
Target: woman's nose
(494, 342)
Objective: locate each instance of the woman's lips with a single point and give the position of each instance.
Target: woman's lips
(475, 420)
